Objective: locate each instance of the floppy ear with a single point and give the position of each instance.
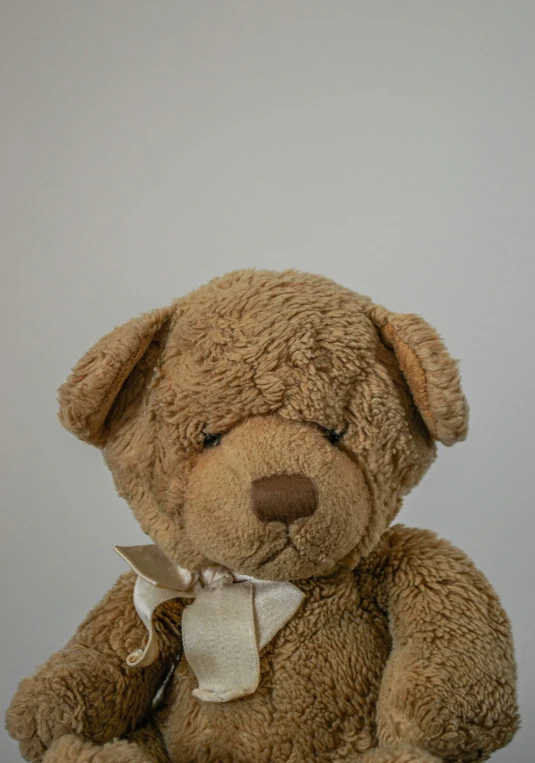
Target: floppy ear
(88, 394)
(429, 370)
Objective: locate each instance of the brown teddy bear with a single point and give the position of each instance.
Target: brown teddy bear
(264, 429)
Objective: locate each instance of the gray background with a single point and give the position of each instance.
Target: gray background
(148, 146)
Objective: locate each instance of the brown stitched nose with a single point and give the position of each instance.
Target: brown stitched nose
(283, 498)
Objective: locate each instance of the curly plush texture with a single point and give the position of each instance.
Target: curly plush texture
(400, 652)
(90, 391)
(430, 371)
(73, 749)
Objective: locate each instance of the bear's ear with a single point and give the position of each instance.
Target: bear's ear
(429, 370)
(88, 394)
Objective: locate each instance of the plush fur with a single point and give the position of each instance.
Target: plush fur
(400, 653)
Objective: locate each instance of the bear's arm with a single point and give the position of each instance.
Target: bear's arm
(449, 683)
(87, 687)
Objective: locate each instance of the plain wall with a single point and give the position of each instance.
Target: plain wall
(149, 146)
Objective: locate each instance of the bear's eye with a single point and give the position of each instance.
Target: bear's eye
(211, 440)
(334, 437)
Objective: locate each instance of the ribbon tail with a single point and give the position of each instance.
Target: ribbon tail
(220, 642)
(146, 598)
(275, 604)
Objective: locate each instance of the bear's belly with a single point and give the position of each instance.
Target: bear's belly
(317, 695)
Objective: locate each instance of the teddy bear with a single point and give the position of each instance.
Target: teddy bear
(264, 430)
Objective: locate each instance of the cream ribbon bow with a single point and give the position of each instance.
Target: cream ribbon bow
(230, 620)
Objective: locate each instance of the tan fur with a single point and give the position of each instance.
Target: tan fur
(88, 394)
(430, 372)
(400, 653)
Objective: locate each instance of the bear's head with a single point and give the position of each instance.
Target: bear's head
(267, 422)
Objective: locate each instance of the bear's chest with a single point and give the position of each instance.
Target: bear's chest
(317, 695)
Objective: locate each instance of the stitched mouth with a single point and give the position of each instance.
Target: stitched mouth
(277, 553)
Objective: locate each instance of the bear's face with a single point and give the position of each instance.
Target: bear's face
(261, 423)
(275, 500)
